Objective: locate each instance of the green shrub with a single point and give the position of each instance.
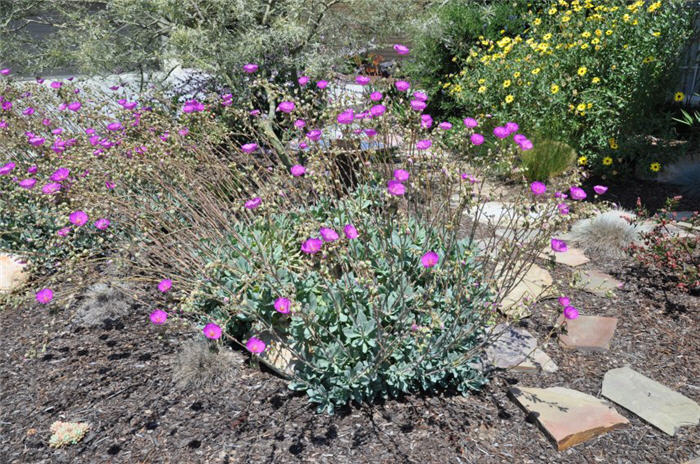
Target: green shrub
(547, 159)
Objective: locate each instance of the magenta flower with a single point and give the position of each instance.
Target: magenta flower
(563, 209)
(577, 193)
(470, 123)
(564, 301)
(165, 285)
(78, 218)
(250, 68)
(401, 175)
(253, 203)
(519, 138)
(297, 170)
(538, 188)
(56, 85)
(60, 174)
(570, 312)
(600, 189)
(299, 123)
(423, 144)
(303, 80)
(445, 125)
(500, 132)
(51, 188)
(282, 305)
(158, 317)
(418, 105)
(311, 246)
(420, 96)
(115, 126)
(328, 235)
(255, 345)
(376, 96)
(110, 185)
(212, 331)
(314, 135)
(74, 106)
(526, 145)
(362, 80)
(36, 141)
(5, 71)
(402, 86)
(512, 127)
(350, 231)
(27, 183)
(249, 147)
(322, 84)
(346, 117)
(192, 106)
(396, 188)
(430, 259)
(401, 49)
(286, 107)
(32, 169)
(476, 139)
(559, 245)
(184, 131)
(102, 223)
(7, 168)
(377, 110)
(426, 121)
(63, 231)
(44, 295)
(28, 111)
(369, 132)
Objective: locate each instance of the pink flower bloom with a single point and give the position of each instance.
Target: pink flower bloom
(418, 105)
(36, 141)
(32, 169)
(102, 223)
(401, 49)
(600, 189)
(192, 106)
(426, 121)
(564, 301)
(312, 246)
(563, 209)
(78, 218)
(469, 177)
(423, 144)
(63, 231)
(346, 117)
(377, 110)
(184, 131)
(7, 168)
(74, 106)
(158, 317)
(255, 112)
(249, 147)
(500, 132)
(512, 127)
(376, 96)
(526, 145)
(470, 123)
(570, 312)
(297, 170)
(476, 139)
(402, 86)
(322, 84)
(115, 126)
(350, 231)
(286, 107)
(314, 135)
(165, 285)
(538, 188)
(60, 174)
(396, 188)
(44, 295)
(303, 80)
(250, 68)
(445, 125)
(255, 345)
(558, 245)
(5, 71)
(430, 259)
(253, 203)
(299, 123)
(282, 305)
(362, 80)
(28, 112)
(110, 185)
(56, 84)
(577, 193)
(519, 138)
(401, 175)
(51, 188)
(328, 235)
(420, 96)
(369, 132)
(27, 183)
(212, 331)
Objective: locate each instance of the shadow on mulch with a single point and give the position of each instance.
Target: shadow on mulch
(652, 194)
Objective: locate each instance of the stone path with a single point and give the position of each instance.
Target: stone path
(515, 348)
(597, 282)
(588, 333)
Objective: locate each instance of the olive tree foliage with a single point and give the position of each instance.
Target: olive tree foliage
(285, 37)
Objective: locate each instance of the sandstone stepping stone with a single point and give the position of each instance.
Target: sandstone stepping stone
(568, 417)
(12, 273)
(276, 356)
(598, 282)
(588, 333)
(572, 257)
(515, 348)
(657, 404)
(536, 284)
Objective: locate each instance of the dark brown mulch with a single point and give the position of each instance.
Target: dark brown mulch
(118, 377)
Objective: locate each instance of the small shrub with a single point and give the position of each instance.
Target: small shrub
(201, 366)
(101, 301)
(547, 159)
(607, 234)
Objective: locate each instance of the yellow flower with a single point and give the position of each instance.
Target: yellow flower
(536, 71)
(653, 7)
(626, 17)
(584, 46)
(582, 160)
(655, 167)
(595, 41)
(613, 143)
(506, 83)
(454, 59)
(595, 80)
(516, 74)
(537, 21)
(656, 34)
(582, 71)
(546, 37)
(565, 19)
(648, 59)
(586, 34)
(554, 88)
(481, 81)
(581, 107)
(607, 161)
(679, 96)
(509, 98)
(598, 32)
(482, 89)
(552, 11)
(589, 106)
(608, 32)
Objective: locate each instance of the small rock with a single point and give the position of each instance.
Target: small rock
(657, 404)
(598, 282)
(515, 348)
(12, 273)
(568, 417)
(588, 333)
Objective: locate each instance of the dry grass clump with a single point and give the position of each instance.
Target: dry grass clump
(607, 234)
(101, 301)
(200, 367)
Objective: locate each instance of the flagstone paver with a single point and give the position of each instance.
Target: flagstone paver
(12, 273)
(568, 417)
(571, 257)
(536, 284)
(515, 348)
(588, 333)
(598, 282)
(657, 404)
